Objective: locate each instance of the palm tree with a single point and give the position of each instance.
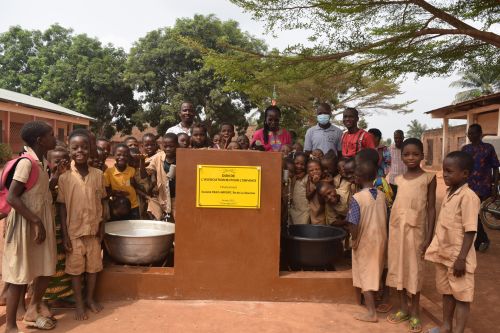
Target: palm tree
(415, 129)
(478, 83)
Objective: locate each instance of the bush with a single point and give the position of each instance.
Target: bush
(5, 153)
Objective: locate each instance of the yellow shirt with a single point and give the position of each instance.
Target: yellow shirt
(83, 200)
(458, 215)
(120, 181)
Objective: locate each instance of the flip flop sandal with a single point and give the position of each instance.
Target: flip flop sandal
(41, 323)
(384, 308)
(415, 325)
(398, 317)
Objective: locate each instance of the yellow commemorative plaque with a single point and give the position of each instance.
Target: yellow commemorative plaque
(228, 186)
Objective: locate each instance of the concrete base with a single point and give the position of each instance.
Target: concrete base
(226, 253)
(125, 282)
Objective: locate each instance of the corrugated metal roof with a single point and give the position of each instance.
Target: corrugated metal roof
(470, 104)
(15, 97)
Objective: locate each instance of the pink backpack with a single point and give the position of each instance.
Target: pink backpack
(8, 174)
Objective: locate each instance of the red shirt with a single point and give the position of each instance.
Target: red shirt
(352, 143)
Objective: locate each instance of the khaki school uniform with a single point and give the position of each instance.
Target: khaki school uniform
(407, 232)
(368, 249)
(145, 185)
(345, 190)
(82, 197)
(458, 215)
(163, 203)
(316, 208)
(299, 211)
(331, 215)
(24, 259)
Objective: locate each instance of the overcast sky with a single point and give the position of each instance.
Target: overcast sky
(123, 22)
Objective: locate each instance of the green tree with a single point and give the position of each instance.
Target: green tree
(75, 71)
(302, 86)
(392, 37)
(362, 123)
(387, 142)
(484, 81)
(165, 70)
(415, 129)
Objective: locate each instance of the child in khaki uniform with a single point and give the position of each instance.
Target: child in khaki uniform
(162, 179)
(451, 248)
(367, 221)
(411, 228)
(316, 201)
(29, 253)
(81, 190)
(299, 210)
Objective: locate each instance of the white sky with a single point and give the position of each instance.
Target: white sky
(123, 22)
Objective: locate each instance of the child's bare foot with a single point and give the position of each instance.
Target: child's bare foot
(370, 318)
(45, 311)
(80, 313)
(94, 306)
(30, 315)
(21, 312)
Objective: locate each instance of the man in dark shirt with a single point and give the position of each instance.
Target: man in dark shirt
(484, 177)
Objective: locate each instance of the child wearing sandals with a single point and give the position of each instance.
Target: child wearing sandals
(30, 242)
(411, 227)
(451, 249)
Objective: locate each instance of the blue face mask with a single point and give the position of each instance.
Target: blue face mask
(323, 119)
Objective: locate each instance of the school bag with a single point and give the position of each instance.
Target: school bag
(8, 174)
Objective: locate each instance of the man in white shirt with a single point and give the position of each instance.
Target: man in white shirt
(324, 135)
(186, 114)
(397, 166)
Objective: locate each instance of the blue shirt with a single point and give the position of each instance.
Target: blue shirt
(485, 159)
(323, 138)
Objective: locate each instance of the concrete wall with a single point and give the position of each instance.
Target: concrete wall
(488, 121)
(433, 143)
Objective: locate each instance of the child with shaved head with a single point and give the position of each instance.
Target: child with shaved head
(367, 222)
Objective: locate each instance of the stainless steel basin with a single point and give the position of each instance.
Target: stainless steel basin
(139, 242)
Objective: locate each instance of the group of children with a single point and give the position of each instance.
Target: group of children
(390, 230)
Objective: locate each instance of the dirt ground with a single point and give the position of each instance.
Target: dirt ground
(223, 316)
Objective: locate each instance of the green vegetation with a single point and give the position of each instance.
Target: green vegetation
(480, 82)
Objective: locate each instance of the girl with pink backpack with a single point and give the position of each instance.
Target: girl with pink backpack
(30, 245)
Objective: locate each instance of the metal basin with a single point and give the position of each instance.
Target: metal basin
(313, 246)
(139, 242)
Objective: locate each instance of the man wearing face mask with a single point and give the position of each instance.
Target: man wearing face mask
(324, 135)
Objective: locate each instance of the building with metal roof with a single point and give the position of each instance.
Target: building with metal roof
(17, 109)
(483, 110)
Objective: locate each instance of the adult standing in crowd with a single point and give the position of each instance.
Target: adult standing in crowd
(484, 177)
(186, 114)
(271, 136)
(397, 166)
(355, 138)
(384, 155)
(324, 135)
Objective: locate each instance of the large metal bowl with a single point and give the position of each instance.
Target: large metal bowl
(313, 246)
(139, 242)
